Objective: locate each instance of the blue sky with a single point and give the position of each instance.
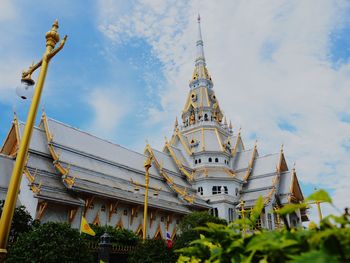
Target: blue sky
(281, 71)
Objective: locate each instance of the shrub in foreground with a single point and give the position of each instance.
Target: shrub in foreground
(328, 242)
(50, 243)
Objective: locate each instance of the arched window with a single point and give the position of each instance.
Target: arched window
(200, 190)
(216, 160)
(199, 160)
(210, 160)
(195, 161)
(206, 117)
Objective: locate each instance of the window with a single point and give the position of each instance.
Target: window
(216, 160)
(125, 212)
(115, 210)
(200, 190)
(195, 161)
(236, 191)
(214, 212)
(162, 219)
(205, 117)
(210, 160)
(199, 160)
(216, 190)
(231, 214)
(219, 189)
(103, 208)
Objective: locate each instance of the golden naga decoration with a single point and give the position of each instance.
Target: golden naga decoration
(169, 180)
(68, 179)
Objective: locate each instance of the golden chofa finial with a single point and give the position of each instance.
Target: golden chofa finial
(52, 37)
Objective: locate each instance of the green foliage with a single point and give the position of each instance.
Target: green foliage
(189, 224)
(122, 237)
(196, 219)
(50, 243)
(328, 242)
(151, 251)
(22, 221)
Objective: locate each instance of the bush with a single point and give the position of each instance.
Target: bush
(328, 242)
(152, 250)
(123, 237)
(50, 243)
(188, 224)
(22, 222)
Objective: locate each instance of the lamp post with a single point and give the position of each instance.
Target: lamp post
(147, 165)
(52, 38)
(242, 215)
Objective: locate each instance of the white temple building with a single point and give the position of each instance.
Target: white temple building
(204, 166)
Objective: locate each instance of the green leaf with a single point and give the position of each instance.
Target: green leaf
(320, 196)
(258, 207)
(290, 208)
(315, 257)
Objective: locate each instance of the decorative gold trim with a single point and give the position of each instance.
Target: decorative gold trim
(203, 140)
(41, 209)
(178, 163)
(112, 207)
(152, 217)
(71, 214)
(96, 221)
(67, 179)
(34, 187)
(14, 129)
(133, 213)
(207, 96)
(120, 224)
(251, 163)
(88, 202)
(169, 180)
(169, 220)
(158, 232)
(174, 233)
(144, 186)
(139, 230)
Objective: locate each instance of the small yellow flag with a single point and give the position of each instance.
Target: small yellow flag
(85, 228)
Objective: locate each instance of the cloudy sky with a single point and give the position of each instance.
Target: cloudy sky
(281, 71)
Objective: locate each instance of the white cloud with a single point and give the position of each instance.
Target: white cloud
(269, 61)
(7, 10)
(109, 108)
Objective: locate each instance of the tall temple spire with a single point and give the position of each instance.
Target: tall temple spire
(200, 75)
(200, 50)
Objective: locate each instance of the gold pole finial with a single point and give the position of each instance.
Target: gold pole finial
(52, 37)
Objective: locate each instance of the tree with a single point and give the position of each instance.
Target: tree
(50, 243)
(22, 221)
